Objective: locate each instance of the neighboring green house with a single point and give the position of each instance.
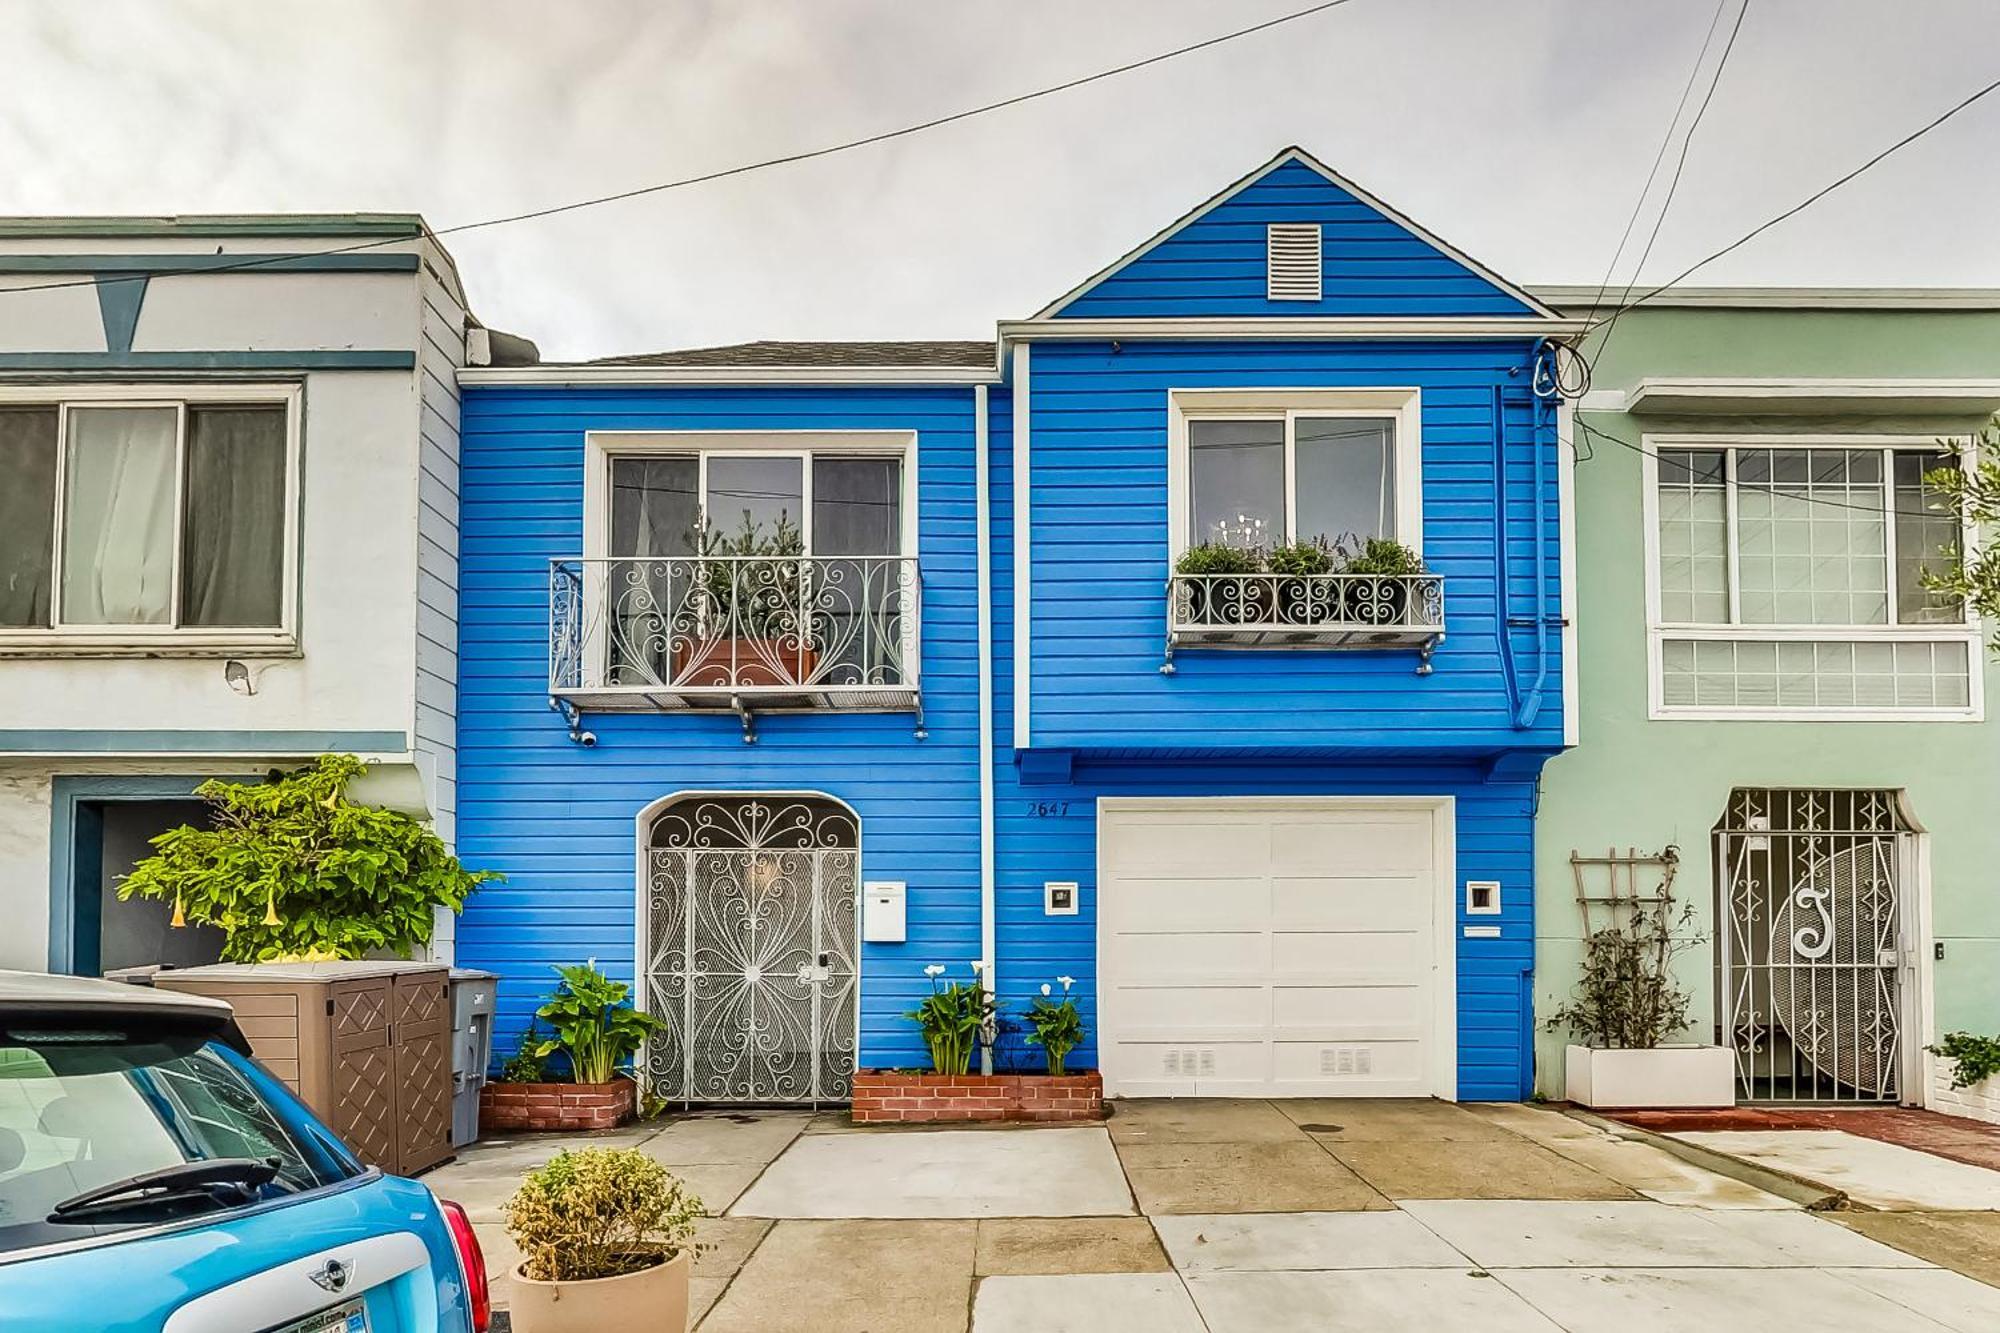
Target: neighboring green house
(1765, 686)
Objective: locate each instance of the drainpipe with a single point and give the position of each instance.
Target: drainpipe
(982, 526)
(1502, 620)
(1544, 391)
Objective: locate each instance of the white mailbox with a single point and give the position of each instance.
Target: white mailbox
(883, 917)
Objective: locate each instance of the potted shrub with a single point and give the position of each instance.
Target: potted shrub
(1975, 1075)
(1383, 599)
(290, 870)
(606, 1238)
(595, 1032)
(1205, 597)
(1625, 1012)
(1055, 1026)
(954, 1018)
(753, 621)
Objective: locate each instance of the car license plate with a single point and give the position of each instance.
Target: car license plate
(349, 1318)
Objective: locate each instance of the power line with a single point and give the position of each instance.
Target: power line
(1776, 488)
(1803, 204)
(1680, 165)
(747, 167)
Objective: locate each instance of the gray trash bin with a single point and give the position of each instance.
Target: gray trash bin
(472, 996)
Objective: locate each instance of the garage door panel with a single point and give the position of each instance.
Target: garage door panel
(1350, 903)
(1194, 1008)
(1359, 956)
(1190, 904)
(1191, 849)
(1365, 843)
(1336, 1007)
(1357, 1066)
(1192, 955)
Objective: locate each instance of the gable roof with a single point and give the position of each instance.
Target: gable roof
(1295, 154)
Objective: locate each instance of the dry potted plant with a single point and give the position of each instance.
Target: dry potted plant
(606, 1238)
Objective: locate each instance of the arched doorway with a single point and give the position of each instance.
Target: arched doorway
(1814, 982)
(751, 920)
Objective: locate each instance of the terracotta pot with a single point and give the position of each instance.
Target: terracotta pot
(723, 663)
(652, 1300)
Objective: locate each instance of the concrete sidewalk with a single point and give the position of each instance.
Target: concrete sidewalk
(1218, 1216)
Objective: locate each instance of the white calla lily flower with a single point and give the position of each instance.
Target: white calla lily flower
(934, 970)
(1045, 989)
(1067, 982)
(977, 967)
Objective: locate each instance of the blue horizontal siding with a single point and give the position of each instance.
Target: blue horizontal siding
(559, 819)
(1214, 266)
(1098, 480)
(1494, 836)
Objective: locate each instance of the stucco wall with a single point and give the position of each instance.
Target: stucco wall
(1635, 782)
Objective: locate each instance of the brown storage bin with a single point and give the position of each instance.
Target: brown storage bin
(366, 1045)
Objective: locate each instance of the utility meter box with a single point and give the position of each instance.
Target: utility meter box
(884, 919)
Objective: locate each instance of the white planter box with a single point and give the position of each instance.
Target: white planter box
(1663, 1076)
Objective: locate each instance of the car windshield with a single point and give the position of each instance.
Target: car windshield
(82, 1108)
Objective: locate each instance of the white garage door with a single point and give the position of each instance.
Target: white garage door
(1275, 948)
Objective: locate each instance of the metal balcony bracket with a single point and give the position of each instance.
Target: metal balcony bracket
(573, 717)
(1167, 666)
(749, 718)
(922, 732)
(1424, 654)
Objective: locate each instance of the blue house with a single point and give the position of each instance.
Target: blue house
(1200, 639)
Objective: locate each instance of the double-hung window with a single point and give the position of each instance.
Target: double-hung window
(1787, 579)
(137, 519)
(1257, 469)
(756, 561)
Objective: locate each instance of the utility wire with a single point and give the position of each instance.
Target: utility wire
(747, 167)
(1803, 204)
(1659, 156)
(1680, 165)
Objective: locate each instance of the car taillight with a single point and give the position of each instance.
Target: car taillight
(471, 1262)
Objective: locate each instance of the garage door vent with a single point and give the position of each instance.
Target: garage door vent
(1187, 1063)
(1338, 1060)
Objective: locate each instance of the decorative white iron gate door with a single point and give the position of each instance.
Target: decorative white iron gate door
(751, 923)
(1810, 952)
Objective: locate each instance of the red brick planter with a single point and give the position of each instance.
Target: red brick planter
(887, 1096)
(550, 1106)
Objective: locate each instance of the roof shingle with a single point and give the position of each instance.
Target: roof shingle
(789, 355)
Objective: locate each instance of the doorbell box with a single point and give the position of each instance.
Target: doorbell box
(1059, 898)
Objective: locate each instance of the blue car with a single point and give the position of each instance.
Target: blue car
(155, 1179)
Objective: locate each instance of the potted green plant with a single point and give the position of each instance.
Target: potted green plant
(1626, 1011)
(290, 870)
(1303, 597)
(595, 1032)
(752, 624)
(1209, 595)
(1385, 597)
(955, 1018)
(607, 1239)
(1055, 1025)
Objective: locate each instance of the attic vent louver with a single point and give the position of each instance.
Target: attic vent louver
(1291, 259)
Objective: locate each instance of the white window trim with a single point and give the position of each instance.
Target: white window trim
(601, 446)
(166, 640)
(1405, 405)
(1659, 631)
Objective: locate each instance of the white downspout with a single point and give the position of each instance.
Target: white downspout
(982, 527)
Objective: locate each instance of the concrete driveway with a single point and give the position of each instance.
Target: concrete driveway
(1220, 1216)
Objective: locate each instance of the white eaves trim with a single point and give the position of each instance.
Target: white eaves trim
(1798, 397)
(586, 376)
(1288, 328)
(1301, 156)
(1783, 298)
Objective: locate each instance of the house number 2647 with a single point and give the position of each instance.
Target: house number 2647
(1048, 809)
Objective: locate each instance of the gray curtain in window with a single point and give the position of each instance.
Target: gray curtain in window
(232, 538)
(27, 514)
(118, 516)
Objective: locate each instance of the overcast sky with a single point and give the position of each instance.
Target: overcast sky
(1520, 130)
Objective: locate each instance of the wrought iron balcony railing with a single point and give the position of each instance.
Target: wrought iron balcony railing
(749, 633)
(1306, 611)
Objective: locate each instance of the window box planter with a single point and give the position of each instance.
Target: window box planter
(889, 1096)
(1659, 1076)
(542, 1107)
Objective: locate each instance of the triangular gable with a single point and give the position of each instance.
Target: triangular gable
(1375, 262)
